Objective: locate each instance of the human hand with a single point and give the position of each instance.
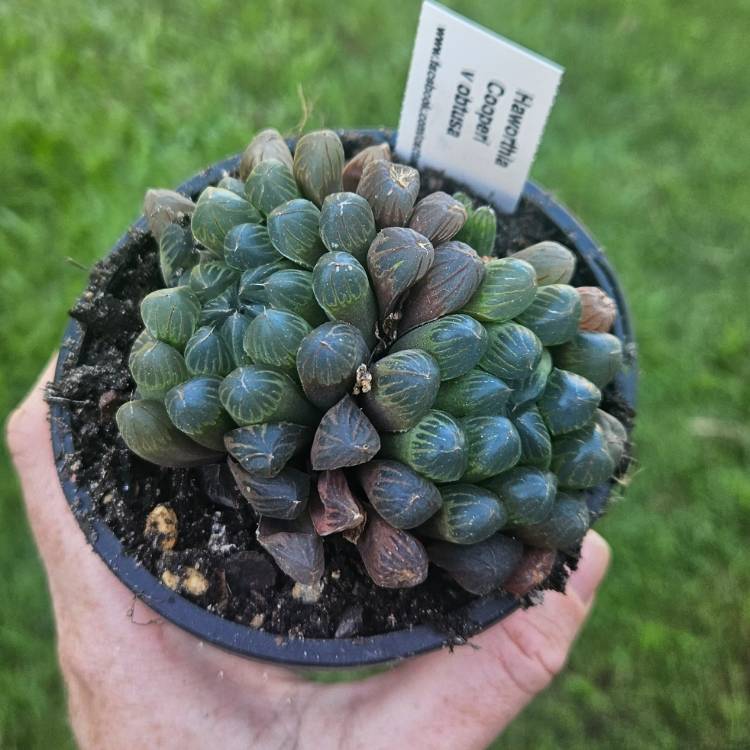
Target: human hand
(131, 684)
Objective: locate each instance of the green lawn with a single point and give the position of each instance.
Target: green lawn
(648, 143)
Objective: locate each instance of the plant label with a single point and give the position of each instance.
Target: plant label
(475, 105)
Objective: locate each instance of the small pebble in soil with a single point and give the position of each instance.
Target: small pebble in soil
(194, 582)
(350, 623)
(258, 620)
(308, 594)
(170, 580)
(247, 572)
(161, 528)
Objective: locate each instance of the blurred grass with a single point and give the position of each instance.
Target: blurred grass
(648, 143)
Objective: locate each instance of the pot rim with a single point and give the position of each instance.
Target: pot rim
(313, 652)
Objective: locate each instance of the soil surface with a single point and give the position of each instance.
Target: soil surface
(215, 525)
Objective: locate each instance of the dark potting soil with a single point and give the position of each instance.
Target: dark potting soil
(216, 527)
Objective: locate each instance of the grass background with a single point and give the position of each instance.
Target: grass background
(648, 143)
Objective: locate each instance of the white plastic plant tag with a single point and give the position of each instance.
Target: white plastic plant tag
(475, 105)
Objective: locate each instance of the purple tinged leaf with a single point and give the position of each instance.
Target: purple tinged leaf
(455, 274)
(534, 568)
(355, 166)
(397, 259)
(393, 558)
(391, 190)
(438, 216)
(335, 508)
(345, 437)
(295, 547)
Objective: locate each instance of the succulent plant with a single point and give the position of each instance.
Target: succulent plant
(349, 352)
(480, 228)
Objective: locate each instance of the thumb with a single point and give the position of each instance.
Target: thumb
(466, 698)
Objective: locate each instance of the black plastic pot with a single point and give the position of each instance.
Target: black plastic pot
(339, 652)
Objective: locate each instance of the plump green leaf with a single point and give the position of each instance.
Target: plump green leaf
(397, 259)
(494, 446)
(195, 409)
(479, 568)
(345, 437)
(342, 289)
(253, 286)
(233, 333)
(294, 230)
(283, 496)
(569, 401)
(270, 184)
(474, 393)
(149, 433)
(513, 352)
(527, 493)
(465, 201)
(216, 212)
(391, 190)
(438, 216)
(536, 444)
(468, 515)
(207, 354)
(253, 395)
(393, 558)
(480, 230)
(508, 288)
(526, 392)
(455, 274)
(171, 315)
(273, 338)
(318, 164)
(582, 459)
(554, 314)
(227, 182)
(210, 278)
(595, 356)
(177, 254)
(295, 547)
(403, 389)
(553, 262)
(457, 342)
(264, 449)
(247, 246)
(401, 497)
(615, 435)
(563, 528)
(347, 224)
(435, 447)
(327, 362)
(156, 367)
(292, 290)
(215, 311)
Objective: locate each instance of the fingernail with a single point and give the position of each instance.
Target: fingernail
(595, 556)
